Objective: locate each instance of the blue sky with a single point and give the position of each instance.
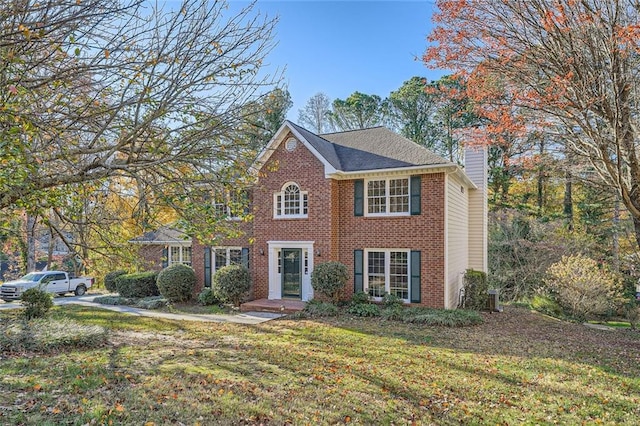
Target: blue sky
(339, 47)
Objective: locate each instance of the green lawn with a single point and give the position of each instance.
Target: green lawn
(516, 368)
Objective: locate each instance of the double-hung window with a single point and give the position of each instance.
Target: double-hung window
(225, 256)
(179, 254)
(387, 196)
(291, 202)
(387, 271)
(230, 205)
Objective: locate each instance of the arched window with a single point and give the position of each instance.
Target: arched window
(290, 202)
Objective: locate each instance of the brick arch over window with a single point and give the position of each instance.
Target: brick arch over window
(290, 202)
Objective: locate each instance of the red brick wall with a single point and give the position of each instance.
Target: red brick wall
(424, 232)
(302, 167)
(197, 251)
(151, 256)
(331, 203)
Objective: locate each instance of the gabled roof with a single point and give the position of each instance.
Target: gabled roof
(379, 148)
(163, 235)
(376, 149)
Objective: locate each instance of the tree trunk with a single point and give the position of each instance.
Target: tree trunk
(568, 201)
(616, 233)
(31, 223)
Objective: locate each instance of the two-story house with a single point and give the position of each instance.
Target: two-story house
(404, 220)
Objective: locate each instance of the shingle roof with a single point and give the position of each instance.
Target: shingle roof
(162, 235)
(369, 149)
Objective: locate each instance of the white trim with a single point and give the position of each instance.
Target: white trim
(164, 243)
(303, 195)
(181, 256)
(445, 278)
(275, 282)
(403, 171)
(387, 197)
(275, 142)
(387, 270)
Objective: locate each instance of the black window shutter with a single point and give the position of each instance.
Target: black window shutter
(207, 266)
(415, 187)
(358, 264)
(165, 257)
(415, 276)
(245, 257)
(358, 197)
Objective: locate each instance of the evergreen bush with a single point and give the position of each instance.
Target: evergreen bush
(207, 298)
(176, 283)
(475, 290)
(36, 302)
(110, 280)
(329, 279)
(231, 284)
(142, 284)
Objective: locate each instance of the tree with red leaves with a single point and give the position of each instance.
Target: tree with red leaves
(569, 68)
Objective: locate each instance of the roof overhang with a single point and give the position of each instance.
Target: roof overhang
(158, 243)
(400, 171)
(275, 142)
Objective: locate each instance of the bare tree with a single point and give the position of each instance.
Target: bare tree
(94, 90)
(315, 114)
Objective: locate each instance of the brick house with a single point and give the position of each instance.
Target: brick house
(404, 220)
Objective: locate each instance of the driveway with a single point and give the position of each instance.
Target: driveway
(249, 318)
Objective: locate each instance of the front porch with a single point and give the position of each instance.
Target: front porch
(284, 306)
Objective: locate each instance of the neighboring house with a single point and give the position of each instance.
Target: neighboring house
(404, 220)
(164, 247)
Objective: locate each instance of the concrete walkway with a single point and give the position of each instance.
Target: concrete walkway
(249, 318)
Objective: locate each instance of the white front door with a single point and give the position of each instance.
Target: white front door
(290, 267)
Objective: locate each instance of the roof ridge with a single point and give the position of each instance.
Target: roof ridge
(354, 130)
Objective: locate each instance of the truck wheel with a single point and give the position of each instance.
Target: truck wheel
(80, 290)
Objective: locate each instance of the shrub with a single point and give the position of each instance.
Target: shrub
(329, 279)
(110, 280)
(176, 283)
(360, 298)
(393, 313)
(155, 302)
(475, 290)
(37, 303)
(207, 298)
(547, 305)
(442, 317)
(231, 284)
(582, 288)
(364, 310)
(392, 301)
(115, 300)
(142, 284)
(318, 308)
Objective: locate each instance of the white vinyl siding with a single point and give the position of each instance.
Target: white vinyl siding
(457, 227)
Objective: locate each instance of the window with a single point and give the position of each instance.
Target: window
(231, 205)
(388, 196)
(224, 256)
(291, 202)
(179, 254)
(387, 272)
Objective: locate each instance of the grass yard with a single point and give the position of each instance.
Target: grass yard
(516, 368)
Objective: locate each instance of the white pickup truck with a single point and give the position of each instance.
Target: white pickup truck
(58, 282)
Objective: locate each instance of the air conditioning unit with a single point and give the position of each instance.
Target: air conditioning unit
(494, 301)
